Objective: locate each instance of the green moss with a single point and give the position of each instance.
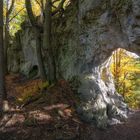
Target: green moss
(75, 83)
(30, 122)
(121, 6)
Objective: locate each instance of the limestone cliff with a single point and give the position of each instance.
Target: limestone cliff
(84, 38)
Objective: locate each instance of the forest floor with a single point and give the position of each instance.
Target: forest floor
(50, 115)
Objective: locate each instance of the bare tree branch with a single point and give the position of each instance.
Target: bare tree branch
(16, 14)
(38, 2)
(11, 8)
(30, 12)
(55, 1)
(60, 6)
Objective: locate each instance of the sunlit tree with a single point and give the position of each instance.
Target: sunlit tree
(126, 71)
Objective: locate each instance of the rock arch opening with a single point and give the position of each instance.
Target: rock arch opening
(125, 67)
(104, 99)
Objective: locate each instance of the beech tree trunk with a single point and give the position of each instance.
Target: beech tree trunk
(38, 44)
(6, 37)
(9, 8)
(39, 55)
(47, 42)
(6, 45)
(2, 75)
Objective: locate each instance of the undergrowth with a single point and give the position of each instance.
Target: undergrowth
(31, 89)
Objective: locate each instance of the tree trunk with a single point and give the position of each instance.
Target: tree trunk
(6, 38)
(39, 55)
(6, 45)
(9, 8)
(38, 40)
(2, 75)
(47, 43)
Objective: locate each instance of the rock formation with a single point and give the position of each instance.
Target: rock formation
(84, 38)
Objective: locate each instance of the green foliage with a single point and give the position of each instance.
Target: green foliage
(44, 85)
(19, 14)
(27, 96)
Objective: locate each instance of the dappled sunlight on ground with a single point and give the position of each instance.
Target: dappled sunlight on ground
(50, 110)
(51, 115)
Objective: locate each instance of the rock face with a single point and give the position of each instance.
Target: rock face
(22, 54)
(84, 38)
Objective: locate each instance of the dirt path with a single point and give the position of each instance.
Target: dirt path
(130, 130)
(71, 130)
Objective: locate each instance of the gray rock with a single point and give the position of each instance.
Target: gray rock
(86, 37)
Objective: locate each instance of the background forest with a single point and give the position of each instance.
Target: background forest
(126, 72)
